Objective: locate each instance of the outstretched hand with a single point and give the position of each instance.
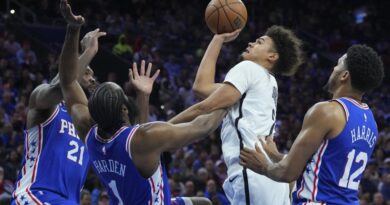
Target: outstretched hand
(227, 37)
(142, 81)
(68, 15)
(254, 160)
(90, 40)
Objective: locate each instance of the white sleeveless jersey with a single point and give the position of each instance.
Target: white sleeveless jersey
(251, 117)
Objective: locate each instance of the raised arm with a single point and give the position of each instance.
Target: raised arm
(143, 84)
(204, 83)
(322, 121)
(75, 98)
(152, 139)
(90, 46)
(47, 96)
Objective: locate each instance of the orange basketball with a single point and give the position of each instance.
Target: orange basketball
(225, 16)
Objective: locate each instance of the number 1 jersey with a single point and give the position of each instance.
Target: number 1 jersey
(112, 162)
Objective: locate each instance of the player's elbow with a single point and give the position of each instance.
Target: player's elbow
(199, 91)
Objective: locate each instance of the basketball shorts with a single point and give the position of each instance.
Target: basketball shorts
(41, 198)
(262, 190)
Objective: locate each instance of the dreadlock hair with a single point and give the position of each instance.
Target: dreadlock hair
(288, 46)
(105, 105)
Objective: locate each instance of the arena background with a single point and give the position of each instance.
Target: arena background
(173, 35)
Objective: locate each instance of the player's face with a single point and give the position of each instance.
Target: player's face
(334, 79)
(87, 81)
(260, 50)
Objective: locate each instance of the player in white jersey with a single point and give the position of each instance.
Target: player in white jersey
(251, 89)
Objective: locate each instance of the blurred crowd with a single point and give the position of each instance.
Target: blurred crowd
(173, 36)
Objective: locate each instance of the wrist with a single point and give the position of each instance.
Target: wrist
(218, 38)
(90, 50)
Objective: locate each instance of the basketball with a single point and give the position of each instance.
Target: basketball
(225, 16)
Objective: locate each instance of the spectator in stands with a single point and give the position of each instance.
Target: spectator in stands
(85, 197)
(6, 188)
(26, 56)
(123, 48)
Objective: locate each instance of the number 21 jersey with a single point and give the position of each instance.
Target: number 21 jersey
(55, 162)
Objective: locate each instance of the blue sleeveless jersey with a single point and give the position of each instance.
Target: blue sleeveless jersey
(111, 161)
(55, 162)
(333, 174)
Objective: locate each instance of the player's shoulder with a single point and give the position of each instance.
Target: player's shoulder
(326, 110)
(36, 92)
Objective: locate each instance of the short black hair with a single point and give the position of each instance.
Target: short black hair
(288, 46)
(105, 106)
(365, 67)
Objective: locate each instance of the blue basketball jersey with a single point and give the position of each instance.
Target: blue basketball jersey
(55, 162)
(333, 174)
(111, 161)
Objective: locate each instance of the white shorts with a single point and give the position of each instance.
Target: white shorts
(262, 190)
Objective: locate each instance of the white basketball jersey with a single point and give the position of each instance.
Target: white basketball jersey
(251, 117)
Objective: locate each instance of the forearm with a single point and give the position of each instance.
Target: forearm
(279, 172)
(143, 107)
(276, 157)
(85, 59)
(200, 127)
(187, 115)
(68, 65)
(205, 76)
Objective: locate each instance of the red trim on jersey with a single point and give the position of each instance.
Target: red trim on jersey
(302, 188)
(161, 187)
(56, 111)
(151, 180)
(39, 153)
(27, 152)
(128, 140)
(346, 112)
(15, 197)
(361, 105)
(316, 169)
(32, 196)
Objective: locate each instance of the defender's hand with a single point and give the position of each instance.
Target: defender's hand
(90, 40)
(271, 149)
(68, 15)
(142, 82)
(254, 160)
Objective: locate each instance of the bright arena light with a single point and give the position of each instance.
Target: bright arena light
(12, 11)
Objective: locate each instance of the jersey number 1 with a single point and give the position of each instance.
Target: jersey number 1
(347, 181)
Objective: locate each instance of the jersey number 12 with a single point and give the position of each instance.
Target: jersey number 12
(348, 181)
